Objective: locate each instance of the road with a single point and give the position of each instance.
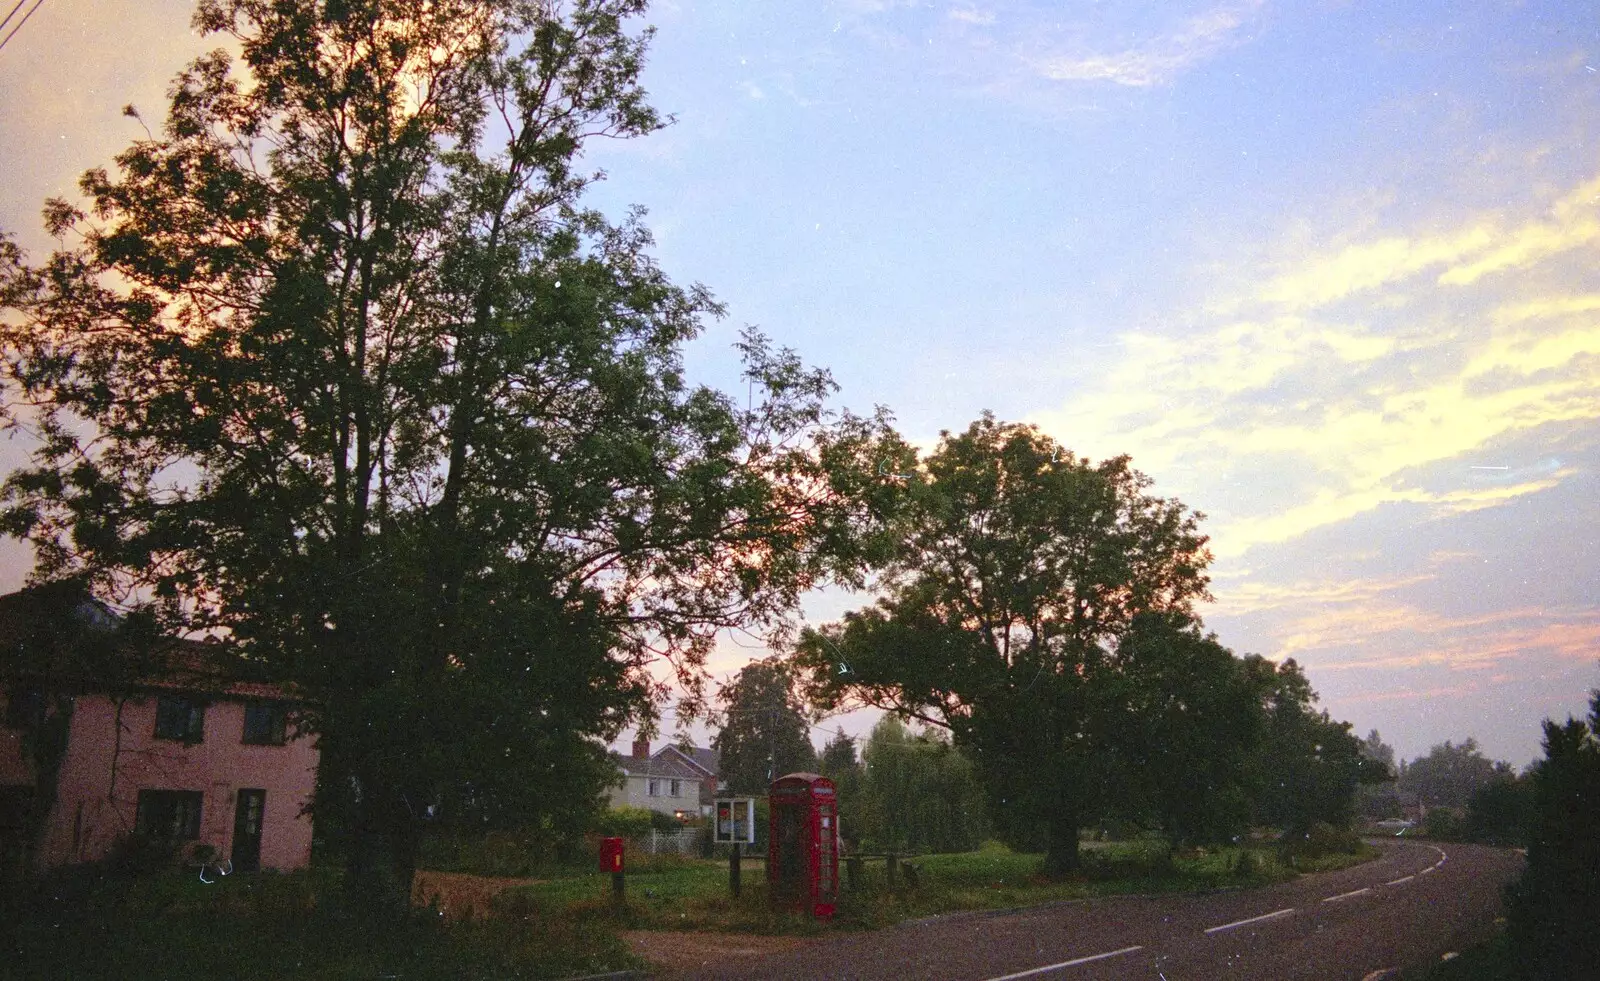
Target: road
(1404, 909)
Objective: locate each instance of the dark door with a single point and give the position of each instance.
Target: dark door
(247, 830)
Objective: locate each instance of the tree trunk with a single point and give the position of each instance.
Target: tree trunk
(383, 854)
(1061, 858)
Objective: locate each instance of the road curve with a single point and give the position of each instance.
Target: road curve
(1403, 909)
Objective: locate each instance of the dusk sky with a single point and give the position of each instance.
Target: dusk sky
(1324, 269)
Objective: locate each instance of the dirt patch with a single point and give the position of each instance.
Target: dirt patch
(460, 895)
(679, 953)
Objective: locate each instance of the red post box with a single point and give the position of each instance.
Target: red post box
(611, 855)
(802, 852)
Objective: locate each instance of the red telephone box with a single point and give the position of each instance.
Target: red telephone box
(802, 846)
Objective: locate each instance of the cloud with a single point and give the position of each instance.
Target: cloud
(1372, 374)
(1157, 60)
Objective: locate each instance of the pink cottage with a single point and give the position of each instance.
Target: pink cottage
(157, 739)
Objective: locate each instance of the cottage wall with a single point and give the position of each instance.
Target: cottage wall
(102, 774)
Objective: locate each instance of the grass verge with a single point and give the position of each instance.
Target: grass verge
(269, 926)
(691, 894)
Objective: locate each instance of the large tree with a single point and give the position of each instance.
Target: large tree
(1552, 910)
(1308, 765)
(919, 792)
(1180, 713)
(1012, 573)
(1450, 774)
(336, 364)
(764, 733)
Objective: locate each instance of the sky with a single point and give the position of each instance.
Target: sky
(1323, 268)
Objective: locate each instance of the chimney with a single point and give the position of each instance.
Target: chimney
(641, 748)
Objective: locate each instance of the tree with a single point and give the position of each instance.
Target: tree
(1379, 799)
(338, 366)
(765, 734)
(919, 793)
(840, 764)
(1185, 722)
(1011, 572)
(1501, 811)
(1449, 775)
(1553, 908)
(1309, 765)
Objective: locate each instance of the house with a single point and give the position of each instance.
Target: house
(160, 738)
(674, 781)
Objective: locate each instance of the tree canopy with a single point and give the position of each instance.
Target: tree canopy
(336, 364)
(1450, 774)
(764, 734)
(1012, 573)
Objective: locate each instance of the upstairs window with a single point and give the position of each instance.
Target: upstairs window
(654, 787)
(180, 718)
(263, 724)
(675, 790)
(172, 815)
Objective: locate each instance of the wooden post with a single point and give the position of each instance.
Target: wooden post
(617, 896)
(852, 870)
(891, 867)
(733, 869)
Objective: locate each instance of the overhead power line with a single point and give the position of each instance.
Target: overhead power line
(36, 5)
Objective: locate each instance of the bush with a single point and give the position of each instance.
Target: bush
(140, 854)
(1444, 824)
(624, 822)
(1322, 839)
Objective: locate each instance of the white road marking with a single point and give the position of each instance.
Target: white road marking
(1404, 878)
(1253, 919)
(1382, 972)
(1073, 963)
(1431, 868)
(1347, 895)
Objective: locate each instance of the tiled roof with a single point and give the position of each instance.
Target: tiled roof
(35, 621)
(708, 760)
(657, 766)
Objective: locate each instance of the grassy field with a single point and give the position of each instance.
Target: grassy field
(266, 927)
(677, 893)
(289, 926)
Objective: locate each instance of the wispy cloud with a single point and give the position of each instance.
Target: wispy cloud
(1308, 384)
(1156, 60)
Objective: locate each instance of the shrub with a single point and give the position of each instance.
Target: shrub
(1322, 839)
(624, 822)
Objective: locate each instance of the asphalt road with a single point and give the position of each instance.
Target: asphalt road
(1404, 909)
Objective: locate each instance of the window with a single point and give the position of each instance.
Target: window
(263, 723)
(180, 718)
(172, 814)
(675, 791)
(654, 788)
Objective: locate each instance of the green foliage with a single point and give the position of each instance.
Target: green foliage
(1501, 812)
(1009, 573)
(1449, 775)
(1552, 910)
(918, 793)
(1307, 766)
(1445, 824)
(1184, 720)
(764, 735)
(623, 822)
(82, 924)
(840, 764)
(335, 366)
(1320, 840)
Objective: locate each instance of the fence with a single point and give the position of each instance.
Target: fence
(684, 842)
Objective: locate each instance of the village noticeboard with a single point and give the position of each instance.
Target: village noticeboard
(736, 820)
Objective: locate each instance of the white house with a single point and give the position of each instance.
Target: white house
(672, 781)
